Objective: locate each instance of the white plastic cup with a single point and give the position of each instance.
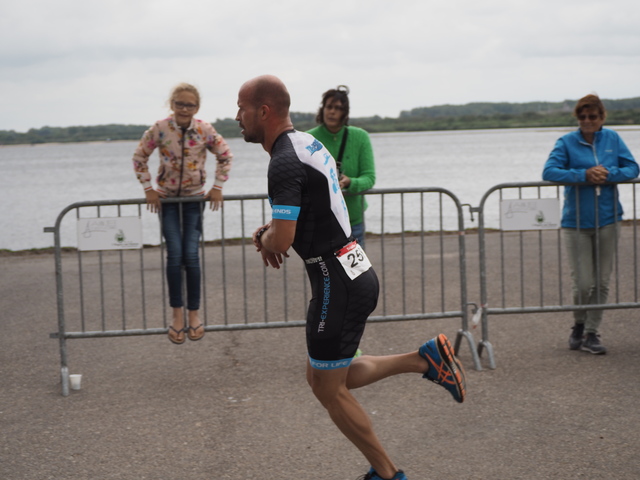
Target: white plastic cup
(75, 381)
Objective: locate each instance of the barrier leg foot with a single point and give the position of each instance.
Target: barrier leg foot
(485, 344)
(64, 377)
(474, 354)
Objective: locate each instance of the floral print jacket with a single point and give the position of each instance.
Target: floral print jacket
(183, 154)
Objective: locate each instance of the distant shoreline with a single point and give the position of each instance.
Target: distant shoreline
(88, 142)
(471, 116)
(626, 127)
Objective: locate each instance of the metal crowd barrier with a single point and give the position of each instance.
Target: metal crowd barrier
(526, 271)
(415, 240)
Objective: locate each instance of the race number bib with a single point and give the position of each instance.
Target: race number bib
(353, 259)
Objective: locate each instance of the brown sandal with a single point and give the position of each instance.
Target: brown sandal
(177, 338)
(191, 332)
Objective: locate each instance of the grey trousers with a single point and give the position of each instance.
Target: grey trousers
(591, 265)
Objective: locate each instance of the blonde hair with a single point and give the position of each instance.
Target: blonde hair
(184, 87)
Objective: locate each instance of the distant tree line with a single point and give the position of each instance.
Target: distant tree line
(487, 109)
(439, 117)
(97, 133)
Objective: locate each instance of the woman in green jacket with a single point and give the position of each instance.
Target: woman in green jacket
(351, 148)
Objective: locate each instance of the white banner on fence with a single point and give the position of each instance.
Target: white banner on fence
(109, 233)
(530, 214)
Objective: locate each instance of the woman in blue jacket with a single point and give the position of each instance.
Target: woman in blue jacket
(592, 155)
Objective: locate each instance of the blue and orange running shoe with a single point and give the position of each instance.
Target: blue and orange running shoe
(444, 367)
(373, 475)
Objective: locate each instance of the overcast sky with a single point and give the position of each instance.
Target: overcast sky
(88, 62)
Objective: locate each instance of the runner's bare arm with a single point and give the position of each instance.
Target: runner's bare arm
(279, 236)
(275, 241)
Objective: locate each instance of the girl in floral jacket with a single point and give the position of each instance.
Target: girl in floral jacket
(182, 142)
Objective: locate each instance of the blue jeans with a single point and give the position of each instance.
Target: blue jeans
(591, 269)
(181, 228)
(357, 231)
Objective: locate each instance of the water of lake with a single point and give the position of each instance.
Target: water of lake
(41, 180)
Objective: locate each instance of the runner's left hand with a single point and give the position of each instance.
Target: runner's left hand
(273, 259)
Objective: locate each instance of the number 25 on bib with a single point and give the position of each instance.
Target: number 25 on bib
(353, 259)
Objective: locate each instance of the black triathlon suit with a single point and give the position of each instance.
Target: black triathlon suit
(303, 186)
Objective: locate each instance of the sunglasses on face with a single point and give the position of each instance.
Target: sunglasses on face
(590, 117)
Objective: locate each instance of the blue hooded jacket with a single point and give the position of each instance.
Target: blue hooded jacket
(569, 161)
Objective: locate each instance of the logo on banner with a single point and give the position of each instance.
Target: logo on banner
(530, 214)
(105, 233)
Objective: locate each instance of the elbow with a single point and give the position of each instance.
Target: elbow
(548, 175)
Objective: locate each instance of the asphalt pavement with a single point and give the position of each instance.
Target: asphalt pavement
(235, 405)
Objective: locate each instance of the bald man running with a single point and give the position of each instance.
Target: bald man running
(309, 214)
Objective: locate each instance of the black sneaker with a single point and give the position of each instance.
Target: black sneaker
(575, 339)
(593, 345)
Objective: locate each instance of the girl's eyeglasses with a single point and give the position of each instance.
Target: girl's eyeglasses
(188, 106)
